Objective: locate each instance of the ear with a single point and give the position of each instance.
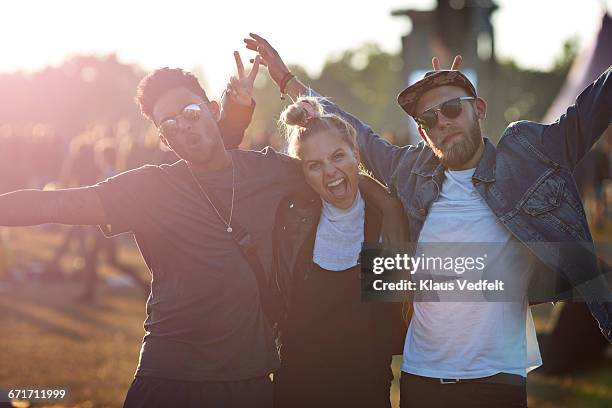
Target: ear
(481, 108)
(215, 110)
(356, 152)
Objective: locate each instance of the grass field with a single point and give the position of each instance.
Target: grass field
(51, 340)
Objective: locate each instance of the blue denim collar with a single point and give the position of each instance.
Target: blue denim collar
(485, 171)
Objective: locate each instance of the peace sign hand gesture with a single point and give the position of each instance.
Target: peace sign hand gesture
(435, 62)
(240, 87)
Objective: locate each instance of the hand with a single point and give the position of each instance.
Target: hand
(240, 87)
(435, 62)
(269, 57)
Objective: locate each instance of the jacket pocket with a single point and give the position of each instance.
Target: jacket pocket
(546, 197)
(553, 205)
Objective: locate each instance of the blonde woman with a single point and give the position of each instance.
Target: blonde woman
(336, 351)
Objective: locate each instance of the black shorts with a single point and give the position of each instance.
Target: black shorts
(153, 392)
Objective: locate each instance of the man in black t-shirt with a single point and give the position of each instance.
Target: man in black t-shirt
(207, 342)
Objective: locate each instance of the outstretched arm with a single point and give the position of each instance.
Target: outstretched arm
(74, 206)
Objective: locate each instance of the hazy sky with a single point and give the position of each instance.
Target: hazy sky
(203, 33)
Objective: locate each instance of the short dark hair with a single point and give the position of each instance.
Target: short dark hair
(158, 82)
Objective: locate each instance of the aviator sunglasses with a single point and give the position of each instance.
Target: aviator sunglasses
(451, 109)
(170, 126)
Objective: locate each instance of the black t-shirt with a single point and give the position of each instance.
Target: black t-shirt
(204, 319)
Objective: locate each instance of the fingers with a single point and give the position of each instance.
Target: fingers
(250, 44)
(457, 62)
(263, 49)
(234, 84)
(230, 89)
(260, 43)
(261, 62)
(239, 65)
(435, 63)
(259, 38)
(261, 46)
(255, 68)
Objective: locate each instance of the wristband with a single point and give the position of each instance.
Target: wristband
(283, 83)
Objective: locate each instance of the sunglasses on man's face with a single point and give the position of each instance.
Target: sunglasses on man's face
(170, 127)
(451, 109)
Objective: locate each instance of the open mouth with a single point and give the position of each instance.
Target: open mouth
(338, 188)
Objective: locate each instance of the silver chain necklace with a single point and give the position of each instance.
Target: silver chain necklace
(229, 221)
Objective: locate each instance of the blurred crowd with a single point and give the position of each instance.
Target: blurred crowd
(38, 157)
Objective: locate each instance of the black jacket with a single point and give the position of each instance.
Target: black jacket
(295, 230)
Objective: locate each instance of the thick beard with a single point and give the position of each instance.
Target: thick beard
(460, 153)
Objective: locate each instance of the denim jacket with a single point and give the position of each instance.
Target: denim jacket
(527, 181)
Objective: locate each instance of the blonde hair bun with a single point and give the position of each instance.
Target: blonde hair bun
(297, 121)
(301, 112)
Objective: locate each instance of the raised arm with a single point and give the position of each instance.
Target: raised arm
(237, 104)
(378, 155)
(235, 119)
(570, 138)
(74, 206)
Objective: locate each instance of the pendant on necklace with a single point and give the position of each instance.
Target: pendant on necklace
(229, 229)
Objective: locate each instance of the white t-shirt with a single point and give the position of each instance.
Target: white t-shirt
(339, 235)
(472, 339)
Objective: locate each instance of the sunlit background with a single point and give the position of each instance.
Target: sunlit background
(70, 308)
(201, 35)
